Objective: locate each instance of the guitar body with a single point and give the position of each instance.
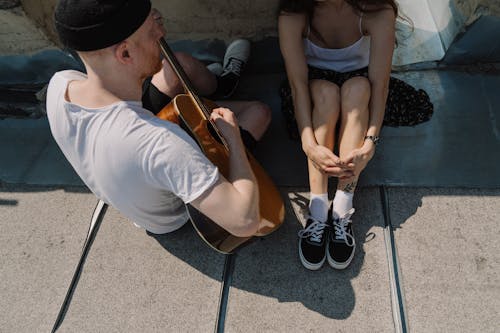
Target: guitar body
(271, 205)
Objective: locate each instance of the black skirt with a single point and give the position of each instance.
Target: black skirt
(405, 106)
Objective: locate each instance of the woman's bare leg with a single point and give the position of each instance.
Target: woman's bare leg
(355, 96)
(325, 114)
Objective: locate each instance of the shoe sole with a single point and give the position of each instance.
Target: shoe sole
(307, 264)
(339, 265)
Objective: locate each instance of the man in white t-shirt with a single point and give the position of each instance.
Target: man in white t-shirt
(145, 167)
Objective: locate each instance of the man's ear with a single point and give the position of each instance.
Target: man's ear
(122, 53)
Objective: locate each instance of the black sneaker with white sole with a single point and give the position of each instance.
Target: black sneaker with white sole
(341, 243)
(312, 244)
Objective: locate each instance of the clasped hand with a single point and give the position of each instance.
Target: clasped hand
(346, 168)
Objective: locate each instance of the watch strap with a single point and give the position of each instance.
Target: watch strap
(374, 138)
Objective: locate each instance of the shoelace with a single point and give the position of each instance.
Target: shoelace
(314, 231)
(233, 66)
(340, 227)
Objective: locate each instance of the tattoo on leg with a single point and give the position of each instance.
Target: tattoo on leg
(350, 187)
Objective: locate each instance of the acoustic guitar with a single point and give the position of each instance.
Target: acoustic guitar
(195, 112)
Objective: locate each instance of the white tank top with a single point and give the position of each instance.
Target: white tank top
(350, 58)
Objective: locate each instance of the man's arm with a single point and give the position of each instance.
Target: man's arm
(232, 203)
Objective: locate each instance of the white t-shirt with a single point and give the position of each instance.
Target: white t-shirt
(145, 167)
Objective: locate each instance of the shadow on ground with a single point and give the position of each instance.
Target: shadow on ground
(270, 266)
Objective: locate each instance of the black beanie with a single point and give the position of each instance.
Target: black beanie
(88, 25)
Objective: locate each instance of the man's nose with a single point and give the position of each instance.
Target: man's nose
(158, 18)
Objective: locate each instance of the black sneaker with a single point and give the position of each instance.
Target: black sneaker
(341, 243)
(312, 244)
(235, 59)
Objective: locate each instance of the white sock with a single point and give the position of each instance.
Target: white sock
(318, 206)
(342, 203)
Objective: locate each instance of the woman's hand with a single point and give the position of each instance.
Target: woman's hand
(360, 157)
(328, 163)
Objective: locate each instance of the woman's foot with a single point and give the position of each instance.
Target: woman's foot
(341, 243)
(312, 244)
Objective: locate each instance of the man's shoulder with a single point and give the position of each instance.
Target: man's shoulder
(134, 116)
(68, 74)
(60, 79)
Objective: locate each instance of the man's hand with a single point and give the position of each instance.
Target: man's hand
(328, 163)
(226, 122)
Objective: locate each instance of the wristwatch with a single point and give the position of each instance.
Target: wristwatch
(374, 139)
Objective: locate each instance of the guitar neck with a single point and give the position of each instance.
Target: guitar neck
(176, 66)
(188, 87)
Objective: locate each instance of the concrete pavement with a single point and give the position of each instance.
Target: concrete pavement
(447, 242)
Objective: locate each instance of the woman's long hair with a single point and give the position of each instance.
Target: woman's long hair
(307, 7)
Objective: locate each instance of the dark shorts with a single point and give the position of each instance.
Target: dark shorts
(406, 106)
(154, 100)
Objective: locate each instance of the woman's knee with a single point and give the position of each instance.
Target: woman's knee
(324, 92)
(356, 89)
(326, 100)
(355, 95)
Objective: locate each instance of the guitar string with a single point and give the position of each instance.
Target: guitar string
(187, 86)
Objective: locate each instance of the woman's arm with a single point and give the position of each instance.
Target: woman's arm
(381, 27)
(291, 28)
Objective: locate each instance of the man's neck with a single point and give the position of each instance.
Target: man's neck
(123, 85)
(103, 89)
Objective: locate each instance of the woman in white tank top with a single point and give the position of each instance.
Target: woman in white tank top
(338, 56)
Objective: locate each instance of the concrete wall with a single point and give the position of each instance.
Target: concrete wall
(254, 19)
(191, 19)
(434, 23)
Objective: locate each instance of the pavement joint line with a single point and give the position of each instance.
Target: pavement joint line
(227, 278)
(397, 295)
(95, 223)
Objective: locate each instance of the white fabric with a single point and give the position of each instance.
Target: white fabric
(342, 202)
(431, 27)
(353, 57)
(141, 165)
(318, 206)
